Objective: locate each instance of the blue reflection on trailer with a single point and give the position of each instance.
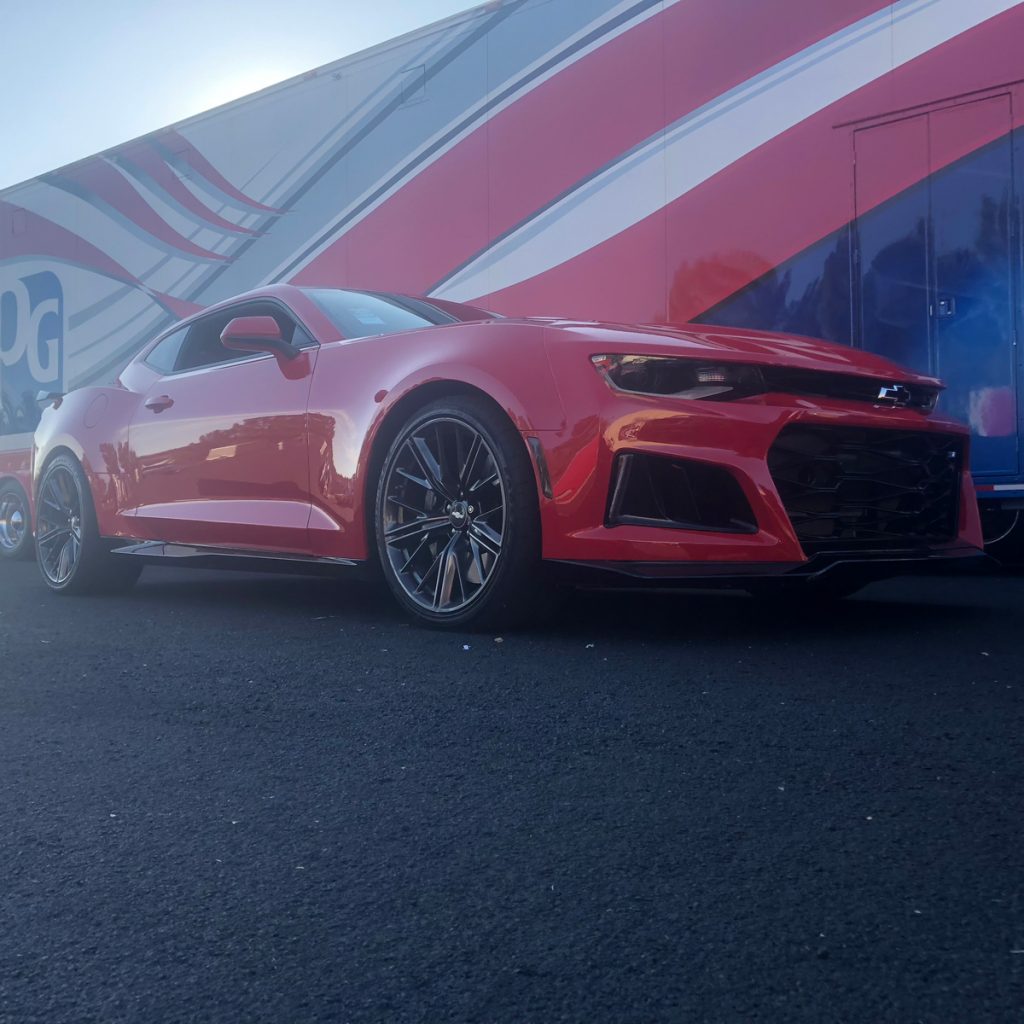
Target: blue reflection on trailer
(930, 279)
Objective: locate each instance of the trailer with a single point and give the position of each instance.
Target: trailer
(845, 169)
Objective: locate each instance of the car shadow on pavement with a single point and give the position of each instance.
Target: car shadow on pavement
(893, 607)
(287, 596)
(724, 617)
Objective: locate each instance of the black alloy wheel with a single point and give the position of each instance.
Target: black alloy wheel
(457, 517)
(15, 522)
(59, 536)
(72, 556)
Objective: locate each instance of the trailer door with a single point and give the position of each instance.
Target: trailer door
(934, 262)
(892, 253)
(971, 307)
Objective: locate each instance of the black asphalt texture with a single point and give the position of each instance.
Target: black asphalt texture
(256, 799)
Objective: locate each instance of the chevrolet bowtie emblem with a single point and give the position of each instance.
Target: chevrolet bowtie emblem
(894, 394)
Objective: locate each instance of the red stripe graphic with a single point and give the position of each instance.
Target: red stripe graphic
(774, 203)
(149, 161)
(568, 127)
(178, 144)
(38, 237)
(108, 184)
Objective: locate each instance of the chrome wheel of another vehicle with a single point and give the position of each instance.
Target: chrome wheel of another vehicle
(443, 514)
(59, 526)
(14, 521)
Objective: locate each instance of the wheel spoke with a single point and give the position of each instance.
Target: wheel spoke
(435, 564)
(480, 484)
(50, 561)
(490, 512)
(429, 466)
(446, 575)
(470, 461)
(407, 531)
(412, 558)
(64, 562)
(490, 540)
(444, 443)
(419, 481)
(66, 491)
(405, 505)
(477, 566)
(51, 535)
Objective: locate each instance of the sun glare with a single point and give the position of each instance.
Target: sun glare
(222, 89)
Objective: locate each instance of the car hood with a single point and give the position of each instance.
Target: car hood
(729, 344)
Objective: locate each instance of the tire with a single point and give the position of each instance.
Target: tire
(15, 522)
(457, 518)
(73, 558)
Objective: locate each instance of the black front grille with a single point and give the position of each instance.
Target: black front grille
(847, 487)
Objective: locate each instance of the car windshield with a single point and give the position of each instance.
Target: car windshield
(365, 314)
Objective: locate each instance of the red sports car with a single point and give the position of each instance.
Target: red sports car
(471, 458)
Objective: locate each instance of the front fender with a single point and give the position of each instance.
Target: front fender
(358, 386)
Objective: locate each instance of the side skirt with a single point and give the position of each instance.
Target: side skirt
(193, 556)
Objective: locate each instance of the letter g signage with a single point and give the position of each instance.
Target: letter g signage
(32, 332)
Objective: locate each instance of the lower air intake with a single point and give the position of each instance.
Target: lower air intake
(654, 490)
(847, 487)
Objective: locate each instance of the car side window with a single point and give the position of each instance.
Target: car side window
(301, 338)
(202, 346)
(164, 356)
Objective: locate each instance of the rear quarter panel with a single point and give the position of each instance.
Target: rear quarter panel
(92, 424)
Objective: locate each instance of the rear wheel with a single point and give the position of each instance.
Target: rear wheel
(457, 518)
(73, 557)
(15, 531)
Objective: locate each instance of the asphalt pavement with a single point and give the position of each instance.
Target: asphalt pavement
(256, 799)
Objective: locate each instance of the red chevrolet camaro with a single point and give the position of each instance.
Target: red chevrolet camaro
(475, 460)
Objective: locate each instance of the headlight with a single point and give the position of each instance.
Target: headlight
(680, 378)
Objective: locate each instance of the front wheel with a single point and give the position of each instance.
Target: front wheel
(73, 557)
(457, 518)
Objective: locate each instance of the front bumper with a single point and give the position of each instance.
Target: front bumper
(737, 437)
(861, 567)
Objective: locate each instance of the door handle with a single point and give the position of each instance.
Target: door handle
(159, 403)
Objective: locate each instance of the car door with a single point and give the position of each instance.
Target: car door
(219, 442)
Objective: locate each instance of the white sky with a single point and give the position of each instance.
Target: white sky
(79, 76)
